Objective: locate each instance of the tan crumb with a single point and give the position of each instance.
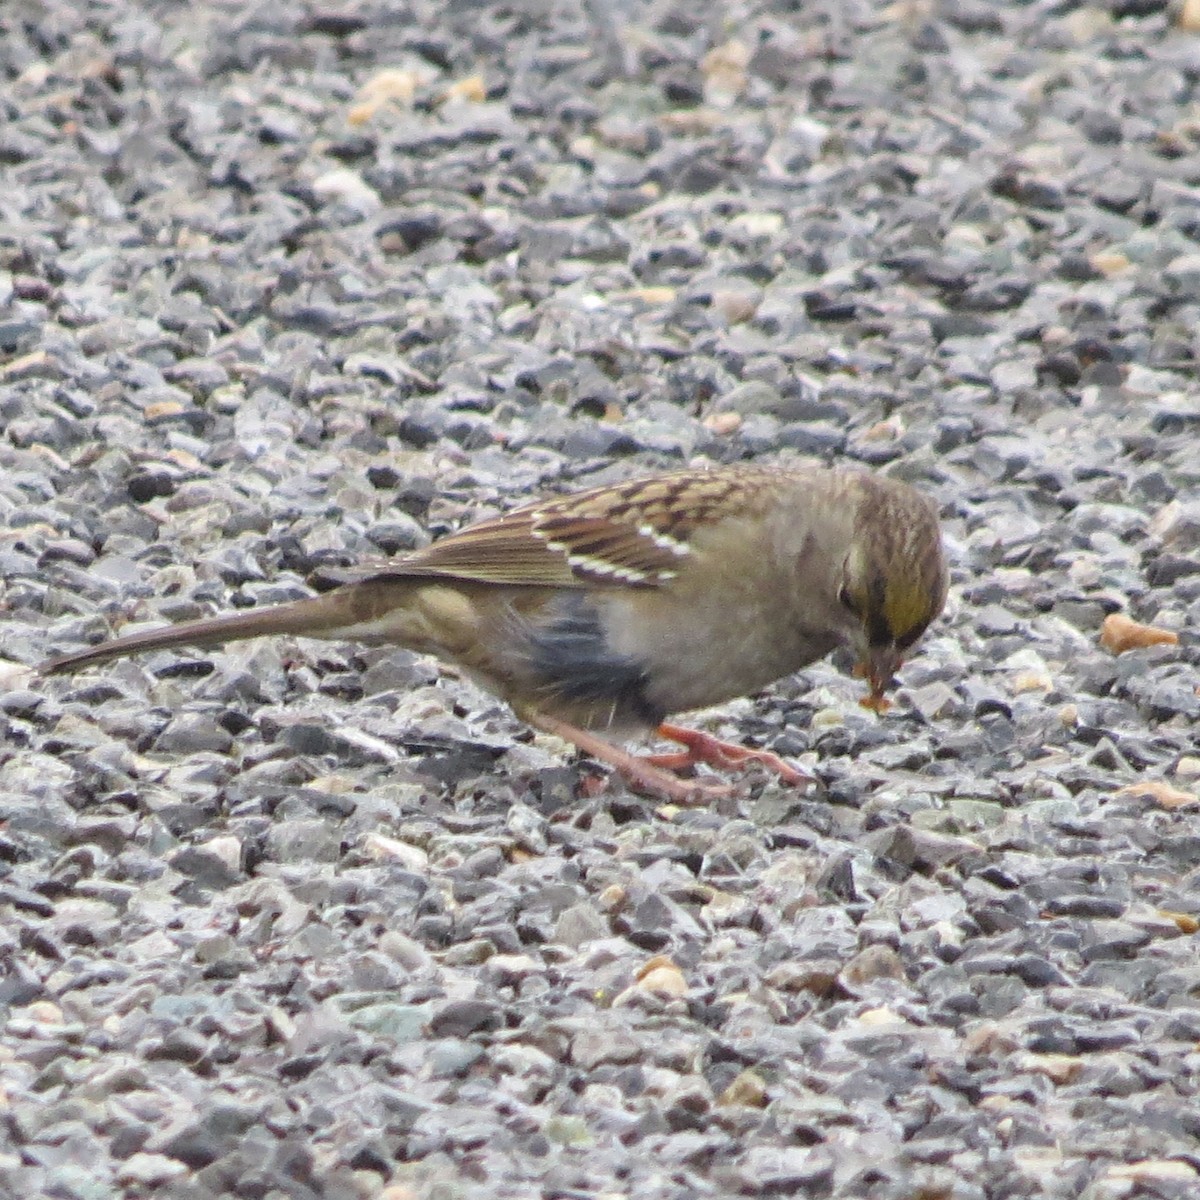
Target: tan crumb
(1119, 633)
(472, 88)
(1031, 681)
(723, 424)
(1184, 922)
(659, 977)
(1161, 792)
(395, 85)
(749, 1090)
(1109, 262)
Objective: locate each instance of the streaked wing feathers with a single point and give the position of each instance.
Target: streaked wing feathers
(632, 534)
(502, 551)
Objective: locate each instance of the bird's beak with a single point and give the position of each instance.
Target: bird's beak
(879, 666)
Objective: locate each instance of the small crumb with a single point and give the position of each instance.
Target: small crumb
(163, 408)
(1184, 922)
(664, 981)
(1031, 681)
(1110, 262)
(1119, 634)
(396, 85)
(472, 89)
(659, 977)
(654, 295)
(1161, 792)
(875, 701)
(181, 458)
(889, 430)
(723, 424)
(748, 1090)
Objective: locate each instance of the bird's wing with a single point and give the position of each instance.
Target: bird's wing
(636, 534)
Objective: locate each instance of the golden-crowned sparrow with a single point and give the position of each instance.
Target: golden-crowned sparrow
(603, 611)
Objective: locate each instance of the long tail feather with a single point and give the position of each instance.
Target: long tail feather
(320, 616)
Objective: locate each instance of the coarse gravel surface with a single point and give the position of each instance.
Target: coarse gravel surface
(284, 285)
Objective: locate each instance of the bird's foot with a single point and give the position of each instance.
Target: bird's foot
(640, 772)
(704, 748)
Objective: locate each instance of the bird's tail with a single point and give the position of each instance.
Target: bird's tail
(319, 616)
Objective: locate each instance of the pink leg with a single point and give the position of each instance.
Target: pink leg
(704, 748)
(642, 774)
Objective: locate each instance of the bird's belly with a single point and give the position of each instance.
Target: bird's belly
(713, 652)
(623, 662)
(693, 676)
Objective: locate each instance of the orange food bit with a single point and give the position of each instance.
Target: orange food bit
(1119, 634)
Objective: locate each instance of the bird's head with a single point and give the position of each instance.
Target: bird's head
(893, 581)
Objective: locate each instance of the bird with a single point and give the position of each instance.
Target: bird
(597, 614)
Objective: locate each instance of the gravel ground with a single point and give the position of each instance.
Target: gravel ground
(284, 285)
